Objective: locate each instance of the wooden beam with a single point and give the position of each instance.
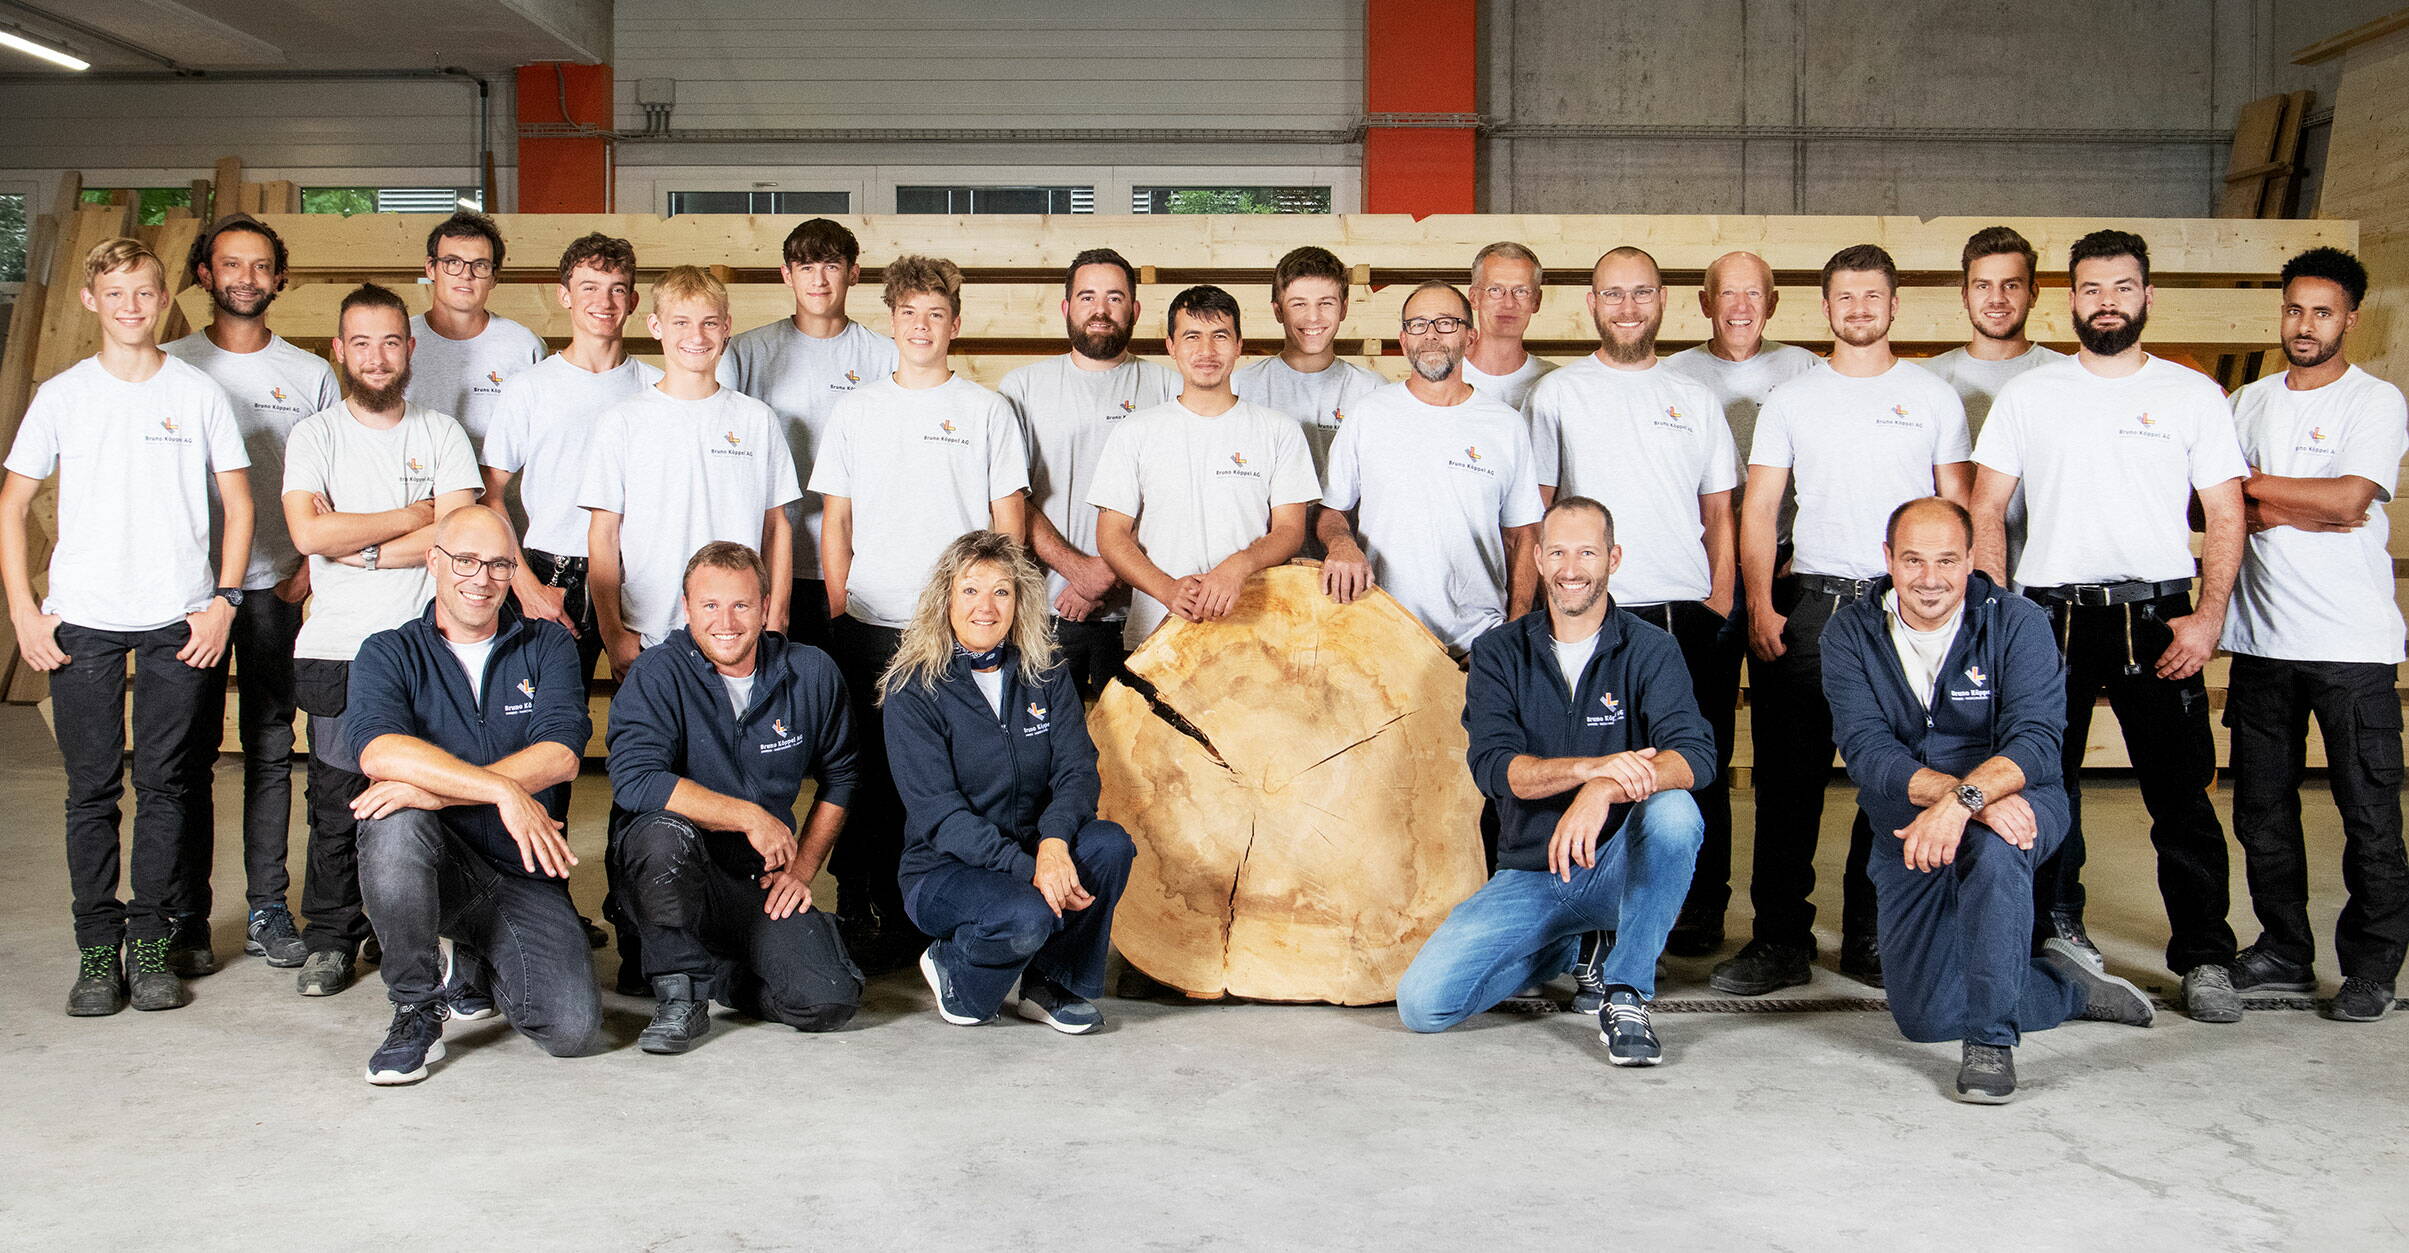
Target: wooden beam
(2366, 32)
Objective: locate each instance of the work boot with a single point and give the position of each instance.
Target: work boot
(1761, 967)
(2067, 927)
(1987, 1074)
(324, 973)
(99, 989)
(153, 982)
(1695, 936)
(2106, 998)
(2259, 969)
(188, 950)
(681, 1019)
(2360, 1000)
(1589, 983)
(1861, 959)
(270, 934)
(2208, 994)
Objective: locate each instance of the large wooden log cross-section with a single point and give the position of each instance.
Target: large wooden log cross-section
(1297, 790)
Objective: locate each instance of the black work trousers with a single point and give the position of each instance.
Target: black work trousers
(1790, 728)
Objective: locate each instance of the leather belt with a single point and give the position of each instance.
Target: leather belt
(1834, 585)
(2096, 594)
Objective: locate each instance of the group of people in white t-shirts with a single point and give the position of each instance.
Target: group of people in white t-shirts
(1746, 484)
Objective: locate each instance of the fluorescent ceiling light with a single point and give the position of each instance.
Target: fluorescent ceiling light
(44, 51)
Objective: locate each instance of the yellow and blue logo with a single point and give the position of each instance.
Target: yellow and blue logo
(1473, 451)
(778, 725)
(2317, 434)
(2147, 420)
(947, 426)
(527, 688)
(416, 466)
(1612, 705)
(851, 377)
(1129, 406)
(1898, 411)
(734, 440)
(1975, 673)
(168, 424)
(1037, 711)
(276, 392)
(1237, 459)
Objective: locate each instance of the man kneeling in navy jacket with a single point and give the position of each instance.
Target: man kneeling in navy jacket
(1585, 734)
(712, 734)
(1949, 706)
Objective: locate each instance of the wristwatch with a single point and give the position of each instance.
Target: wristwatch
(231, 595)
(368, 556)
(1971, 797)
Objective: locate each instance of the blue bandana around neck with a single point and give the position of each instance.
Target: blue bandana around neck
(988, 660)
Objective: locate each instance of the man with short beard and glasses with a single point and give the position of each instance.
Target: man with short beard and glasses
(2110, 448)
(2001, 277)
(364, 482)
(1068, 406)
(1859, 434)
(1440, 479)
(1507, 286)
(272, 385)
(2315, 629)
(1651, 443)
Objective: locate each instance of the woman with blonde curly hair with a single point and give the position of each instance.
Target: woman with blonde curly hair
(1004, 859)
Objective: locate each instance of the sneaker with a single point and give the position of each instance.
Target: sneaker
(1589, 988)
(2208, 994)
(152, 982)
(372, 951)
(188, 950)
(2259, 969)
(324, 973)
(1986, 1075)
(2067, 927)
(413, 1041)
(1623, 1025)
(463, 1000)
(2106, 998)
(271, 935)
(949, 1005)
(1861, 959)
(1694, 937)
(680, 1020)
(1761, 967)
(1041, 1000)
(99, 989)
(2360, 1000)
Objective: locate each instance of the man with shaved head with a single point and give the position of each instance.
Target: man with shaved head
(1506, 290)
(469, 720)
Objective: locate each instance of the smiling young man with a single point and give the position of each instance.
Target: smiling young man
(801, 366)
(2110, 447)
(2001, 274)
(138, 440)
(272, 385)
(466, 352)
(912, 460)
(1506, 291)
(1306, 380)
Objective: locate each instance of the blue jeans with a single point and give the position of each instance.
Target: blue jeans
(1526, 925)
(996, 925)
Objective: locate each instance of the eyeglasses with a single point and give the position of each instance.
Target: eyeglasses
(1426, 326)
(1636, 295)
(1519, 295)
(502, 568)
(479, 268)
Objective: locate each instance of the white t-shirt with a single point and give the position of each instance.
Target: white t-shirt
(1318, 401)
(1921, 653)
(1573, 658)
(991, 686)
(1646, 444)
(1743, 387)
(2305, 596)
(801, 379)
(1511, 390)
(270, 390)
(1200, 488)
(464, 377)
(1065, 415)
(363, 470)
(2108, 467)
(1977, 383)
(134, 462)
(921, 466)
(472, 658)
(540, 431)
(680, 474)
(740, 689)
(1434, 487)
(1857, 448)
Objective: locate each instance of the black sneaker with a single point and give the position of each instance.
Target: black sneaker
(1589, 987)
(464, 997)
(324, 973)
(99, 989)
(1986, 1075)
(1694, 937)
(271, 934)
(188, 950)
(2106, 998)
(1861, 959)
(2360, 1000)
(2260, 969)
(1762, 967)
(153, 982)
(680, 1020)
(2067, 927)
(413, 1041)
(2208, 994)
(941, 982)
(1042, 1000)
(1623, 1025)
(372, 951)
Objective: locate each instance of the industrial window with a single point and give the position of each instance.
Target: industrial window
(995, 200)
(1229, 200)
(351, 200)
(774, 203)
(12, 238)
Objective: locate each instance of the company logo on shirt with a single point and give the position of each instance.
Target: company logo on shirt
(276, 392)
(1975, 673)
(494, 377)
(1129, 406)
(1473, 451)
(1039, 726)
(175, 432)
(1613, 711)
(2316, 444)
(527, 688)
(1236, 458)
(1239, 461)
(2144, 425)
(734, 440)
(2317, 433)
(852, 378)
(778, 725)
(414, 465)
(735, 446)
(947, 427)
(1900, 417)
(168, 424)
(784, 743)
(1337, 414)
(1672, 421)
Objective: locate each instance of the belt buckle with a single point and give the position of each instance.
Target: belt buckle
(2094, 594)
(1859, 587)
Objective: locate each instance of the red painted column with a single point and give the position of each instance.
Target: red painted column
(1421, 57)
(564, 173)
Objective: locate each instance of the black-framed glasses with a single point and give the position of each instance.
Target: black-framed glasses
(1426, 326)
(479, 268)
(503, 568)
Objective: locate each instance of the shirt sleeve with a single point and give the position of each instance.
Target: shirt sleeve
(1670, 707)
(2372, 441)
(1544, 411)
(1496, 735)
(1772, 446)
(1722, 472)
(1522, 504)
(2216, 452)
(35, 454)
(507, 429)
(455, 459)
(829, 473)
(330, 392)
(218, 429)
(1116, 483)
(643, 737)
(779, 481)
(1292, 481)
(1951, 444)
(838, 770)
(1007, 450)
(1876, 758)
(1342, 480)
(561, 714)
(378, 702)
(2001, 445)
(1073, 786)
(305, 468)
(605, 484)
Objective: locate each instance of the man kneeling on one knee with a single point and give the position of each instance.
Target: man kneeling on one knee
(1586, 735)
(469, 720)
(1948, 704)
(712, 734)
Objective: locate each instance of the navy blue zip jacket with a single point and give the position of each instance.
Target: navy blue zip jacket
(984, 790)
(672, 720)
(407, 681)
(2001, 693)
(1634, 693)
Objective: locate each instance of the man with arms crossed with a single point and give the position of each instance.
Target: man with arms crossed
(1506, 292)
(465, 351)
(2001, 277)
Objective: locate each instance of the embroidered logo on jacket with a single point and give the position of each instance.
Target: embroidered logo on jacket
(527, 686)
(1039, 725)
(778, 725)
(1613, 712)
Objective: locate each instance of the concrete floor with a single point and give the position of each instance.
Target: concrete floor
(242, 1119)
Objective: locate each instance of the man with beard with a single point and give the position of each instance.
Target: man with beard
(1068, 406)
(465, 351)
(271, 385)
(1583, 732)
(2315, 630)
(2001, 271)
(1441, 480)
(801, 366)
(1652, 444)
(364, 481)
(1859, 434)
(1506, 291)
(2110, 447)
